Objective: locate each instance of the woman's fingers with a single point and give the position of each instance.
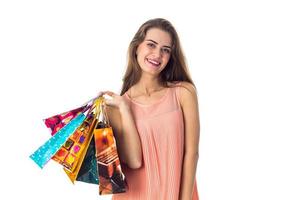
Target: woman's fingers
(109, 102)
(113, 99)
(110, 93)
(110, 98)
(100, 94)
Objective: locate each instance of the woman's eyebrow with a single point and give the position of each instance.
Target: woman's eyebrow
(157, 43)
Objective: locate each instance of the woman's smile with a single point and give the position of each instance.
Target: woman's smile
(153, 62)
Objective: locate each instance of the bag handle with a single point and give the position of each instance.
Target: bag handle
(103, 120)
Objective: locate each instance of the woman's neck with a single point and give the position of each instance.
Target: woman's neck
(147, 86)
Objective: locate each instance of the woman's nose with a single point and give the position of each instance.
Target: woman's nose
(157, 52)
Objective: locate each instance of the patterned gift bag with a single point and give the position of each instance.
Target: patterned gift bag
(43, 154)
(82, 140)
(111, 177)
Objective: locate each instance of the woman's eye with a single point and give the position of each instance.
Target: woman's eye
(168, 51)
(151, 45)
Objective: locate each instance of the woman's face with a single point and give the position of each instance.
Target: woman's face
(154, 52)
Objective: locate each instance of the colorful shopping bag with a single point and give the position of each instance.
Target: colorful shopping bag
(111, 177)
(83, 141)
(43, 154)
(88, 172)
(74, 149)
(56, 122)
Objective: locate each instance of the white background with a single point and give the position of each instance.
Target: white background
(244, 57)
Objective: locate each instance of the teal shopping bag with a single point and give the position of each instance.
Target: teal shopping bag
(43, 154)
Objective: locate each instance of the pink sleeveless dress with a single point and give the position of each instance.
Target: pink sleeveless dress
(161, 130)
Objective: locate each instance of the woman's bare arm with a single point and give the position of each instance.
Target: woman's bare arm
(189, 104)
(127, 137)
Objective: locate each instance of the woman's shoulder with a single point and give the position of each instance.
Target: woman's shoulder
(185, 90)
(183, 86)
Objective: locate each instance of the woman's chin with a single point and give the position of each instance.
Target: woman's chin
(151, 72)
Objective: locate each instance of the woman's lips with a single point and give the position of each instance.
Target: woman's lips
(153, 62)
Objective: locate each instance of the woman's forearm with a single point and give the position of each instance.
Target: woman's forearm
(188, 176)
(129, 138)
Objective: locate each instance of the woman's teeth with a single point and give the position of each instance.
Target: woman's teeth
(153, 62)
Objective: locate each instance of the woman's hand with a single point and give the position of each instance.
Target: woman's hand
(127, 137)
(116, 100)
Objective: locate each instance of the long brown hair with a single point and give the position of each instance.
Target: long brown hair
(176, 69)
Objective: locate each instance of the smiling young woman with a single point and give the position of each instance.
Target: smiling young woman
(156, 118)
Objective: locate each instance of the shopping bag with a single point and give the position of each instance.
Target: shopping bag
(88, 172)
(56, 122)
(81, 140)
(111, 177)
(43, 154)
(74, 149)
